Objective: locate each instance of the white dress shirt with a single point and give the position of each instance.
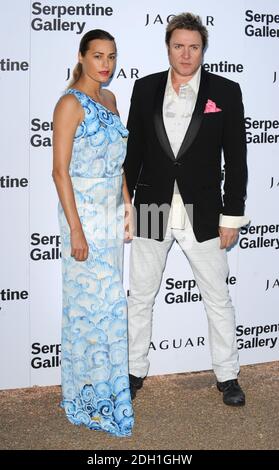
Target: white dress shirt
(177, 114)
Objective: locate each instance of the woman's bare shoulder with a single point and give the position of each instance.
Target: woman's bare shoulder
(110, 100)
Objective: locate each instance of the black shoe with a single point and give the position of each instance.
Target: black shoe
(135, 384)
(233, 394)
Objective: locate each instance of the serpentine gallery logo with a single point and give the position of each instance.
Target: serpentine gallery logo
(11, 182)
(186, 290)
(56, 17)
(41, 133)
(223, 66)
(260, 336)
(45, 355)
(261, 25)
(45, 247)
(262, 131)
(10, 295)
(259, 236)
(8, 65)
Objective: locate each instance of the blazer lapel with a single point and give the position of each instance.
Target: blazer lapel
(158, 117)
(197, 116)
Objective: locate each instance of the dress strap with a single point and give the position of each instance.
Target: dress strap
(80, 96)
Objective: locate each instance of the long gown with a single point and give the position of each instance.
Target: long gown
(94, 362)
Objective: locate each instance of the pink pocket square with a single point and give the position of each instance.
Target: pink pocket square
(211, 107)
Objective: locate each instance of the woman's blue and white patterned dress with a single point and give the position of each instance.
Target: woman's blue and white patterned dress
(95, 381)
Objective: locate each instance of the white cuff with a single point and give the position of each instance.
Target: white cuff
(233, 221)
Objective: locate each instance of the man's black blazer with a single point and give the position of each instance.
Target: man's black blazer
(151, 168)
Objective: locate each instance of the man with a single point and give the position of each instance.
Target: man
(180, 121)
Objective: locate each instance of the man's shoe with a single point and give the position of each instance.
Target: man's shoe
(135, 384)
(233, 394)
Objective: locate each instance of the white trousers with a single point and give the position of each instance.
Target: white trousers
(210, 268)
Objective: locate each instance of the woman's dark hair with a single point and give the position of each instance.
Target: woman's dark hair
(83, 48)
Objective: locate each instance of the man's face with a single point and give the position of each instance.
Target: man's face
(185, 52)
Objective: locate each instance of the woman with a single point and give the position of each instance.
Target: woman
(89, 146)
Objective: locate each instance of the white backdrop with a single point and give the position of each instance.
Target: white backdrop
(39, 43)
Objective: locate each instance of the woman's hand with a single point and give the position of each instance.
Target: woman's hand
(79, 246)
(128, 222)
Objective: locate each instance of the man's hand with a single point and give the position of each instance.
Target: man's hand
(228, 236)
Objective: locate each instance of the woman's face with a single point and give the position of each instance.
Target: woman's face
(99, 61)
